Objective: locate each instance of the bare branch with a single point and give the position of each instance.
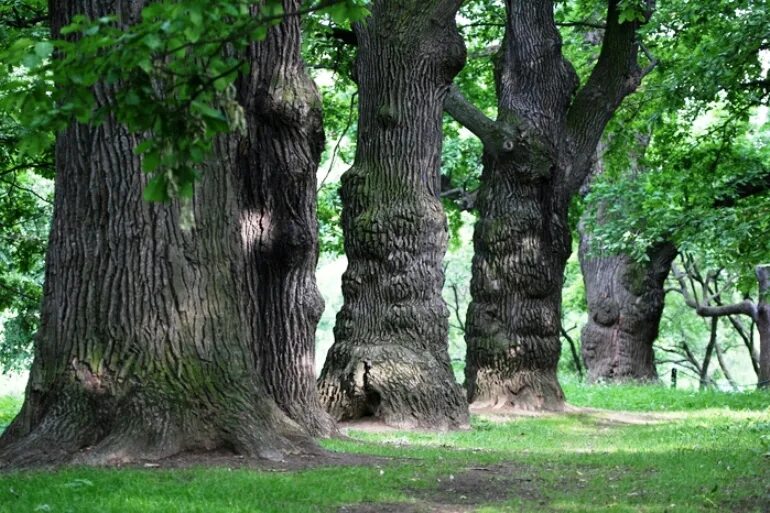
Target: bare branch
(456, 307)
(615, 75)
(468, 115)
(573, 350)
(723, 366)
(336, 149)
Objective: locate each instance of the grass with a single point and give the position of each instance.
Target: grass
(9, 406)
(712, 455)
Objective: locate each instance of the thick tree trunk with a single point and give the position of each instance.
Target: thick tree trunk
(522, 243)
(625, 304)
(390, 358)
(278, 162)
(536, 154)
(141, 352)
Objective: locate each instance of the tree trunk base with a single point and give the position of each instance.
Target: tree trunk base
(393, 385)
(613, 356)
(79, 426)
(526, 390)
(316, 421)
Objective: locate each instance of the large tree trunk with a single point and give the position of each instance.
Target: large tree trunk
(141, 352)
(536, 155)
(625, 304)
(390, 358)
(278, 163)
(521, 244)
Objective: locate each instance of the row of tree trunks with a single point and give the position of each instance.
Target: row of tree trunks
(390, 359)
(147, 347)
(537, 153)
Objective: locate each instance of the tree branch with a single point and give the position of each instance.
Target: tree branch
(615, 75)
(705, 310)
(469, 116)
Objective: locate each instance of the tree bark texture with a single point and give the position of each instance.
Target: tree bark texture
(625, 305)
(536, 155)
(390, 358)
(142, 351)
(763, 324)
(277, 168)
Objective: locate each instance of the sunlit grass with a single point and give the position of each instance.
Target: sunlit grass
(661, 398)
(9, 406)
(690, 455)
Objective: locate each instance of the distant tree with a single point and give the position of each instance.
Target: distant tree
(695, 188)
(625, 297)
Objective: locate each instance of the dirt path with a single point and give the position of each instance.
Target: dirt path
(463, 492)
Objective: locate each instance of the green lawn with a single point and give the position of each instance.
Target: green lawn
(695, 453)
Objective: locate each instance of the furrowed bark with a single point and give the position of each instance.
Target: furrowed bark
(763, 324)
(141, 353)
(390, 358)
(277, 170)
(542, 144)
(625, 304)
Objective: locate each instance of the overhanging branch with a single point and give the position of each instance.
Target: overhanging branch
(469, 116)
(615, 75)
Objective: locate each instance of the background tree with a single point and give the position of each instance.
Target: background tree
(25, 204)
(277, 164)
(389, 359)
(536, 155)
(692, 123)
(625, 297)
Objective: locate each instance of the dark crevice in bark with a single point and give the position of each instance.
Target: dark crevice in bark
(390, 358)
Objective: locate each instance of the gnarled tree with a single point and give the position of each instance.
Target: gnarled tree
(390, 358)
(625, 304)
(758, 311)
(277, 166)
(625, 297)
(537, 153)
(142, 351)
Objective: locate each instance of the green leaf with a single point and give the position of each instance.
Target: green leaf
(43, 49)
(157, 189)
(150, 160)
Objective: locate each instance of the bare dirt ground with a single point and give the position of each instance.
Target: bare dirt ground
(608, 416)
(462, 493)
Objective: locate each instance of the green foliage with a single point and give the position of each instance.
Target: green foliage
(703, 182)
(25, 199)
(329, 222)
(691, 195)
(170, 77)
(9, 407)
